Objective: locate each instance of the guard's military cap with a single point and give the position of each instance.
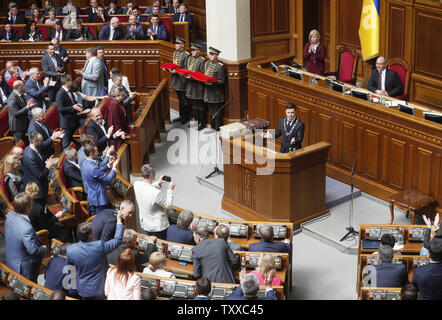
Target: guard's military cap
(213, 50)
(180, 40)
(195, 46)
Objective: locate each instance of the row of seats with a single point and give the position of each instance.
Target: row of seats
(26, 289)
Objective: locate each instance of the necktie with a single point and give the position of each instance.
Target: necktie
(85, 66)
(58, 36)
(182, 18)
(38, 153)
(44, 128)
(8, 37)
(380, 81)
(13, 19)
(155, 29)
(111, 36)
(71, 96)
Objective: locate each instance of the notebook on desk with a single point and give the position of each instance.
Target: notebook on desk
(370, 244)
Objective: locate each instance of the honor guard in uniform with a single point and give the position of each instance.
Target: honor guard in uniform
(179, 83)
(214, 91)
(195, 89)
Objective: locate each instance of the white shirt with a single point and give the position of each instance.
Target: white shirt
(103, 128)
(4, 97)
(111, 35)
(383, 73)
(152, 205)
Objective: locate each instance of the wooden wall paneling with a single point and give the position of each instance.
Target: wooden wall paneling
(437, 176)
(371, 154)
(396, 31)
(334, 153)
(426, 90)
(409, 179)
(198, 8)
(347, 144)
(127, 67)
(325, 30)
(428, 50)
(384, 158)
(304, 115)
(325, 130)
(397, 163)
(424, 167)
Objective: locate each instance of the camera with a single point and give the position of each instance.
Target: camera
(167, 178)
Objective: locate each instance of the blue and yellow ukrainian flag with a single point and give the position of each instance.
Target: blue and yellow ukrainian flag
(369, 29)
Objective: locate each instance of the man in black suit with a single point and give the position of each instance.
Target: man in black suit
(37, 124)
(15, 17)
(137, 13)
(71, 169)
(384, 81)
(130, 242)
(99, 129)
(9, 34)
(35, 169)
(113, 8)
(53, 67)
(18, 108)
(183, 15)
(49, 5)
(292, 130)
(212, 258)
(175, 8)
(36, 89)
(388, 275)
(267, 244)
(105, 221)
(428, 278)
(68, 109)
(80, 33)
(58, 32)
(92, 9)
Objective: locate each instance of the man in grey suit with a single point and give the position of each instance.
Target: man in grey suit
(212, 258)
(53, 67)
(92, 82)
(18, 111)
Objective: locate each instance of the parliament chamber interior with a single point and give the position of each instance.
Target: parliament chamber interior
(220, 150)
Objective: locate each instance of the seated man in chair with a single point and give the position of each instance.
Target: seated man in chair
(267, 244)
(384, 81)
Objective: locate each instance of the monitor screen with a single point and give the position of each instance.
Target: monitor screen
(406, 109)
(337, 86)
(274, 67)
(360, 94)
(218, 292)
(180, 289)
(234, 228)
(296, 75)
(202, 223)
(436, 117)
(186, 253)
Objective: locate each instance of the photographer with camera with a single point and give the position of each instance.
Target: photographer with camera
(152, 204)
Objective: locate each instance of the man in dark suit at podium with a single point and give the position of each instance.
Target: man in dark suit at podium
(292, 130)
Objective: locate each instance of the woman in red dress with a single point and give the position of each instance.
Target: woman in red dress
(315, 53)
(115, 115)
(15, 75)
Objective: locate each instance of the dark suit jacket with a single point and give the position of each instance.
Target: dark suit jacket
(104, 224)
(139, 258)
(62, 52)
(34, 92)
(139, 33)
(187, 17)
(141, 18)
(176, 234)
(47, 147)
(297, 133)
(13, 37)
(105, 33)
(93, 18)
(34, 170)
(238, 294)
(20, 19)
(49, 68)
(391, 276)
(272, 246)
(213, 259)
(428, 280)
(99, 136)
(68, 116)
(118, 10)
(74, 34)
(6, 89)
(201, 298)
(37, 35)
(161, 32)
(53, 32)
(88, 11)
(18, 113)
(54, 273)
(392, 82)
(72, 175)
(58, 11)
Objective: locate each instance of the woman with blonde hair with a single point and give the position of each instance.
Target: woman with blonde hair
(70, 21)
(122, 283)
(157, 262)
(266, 264)
(314, 53)
(13, 180)
(41, 218)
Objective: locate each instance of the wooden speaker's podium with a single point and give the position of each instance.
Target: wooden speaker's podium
(263, 185)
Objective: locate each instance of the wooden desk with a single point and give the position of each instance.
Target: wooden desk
(416, 202)
(395, 151)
